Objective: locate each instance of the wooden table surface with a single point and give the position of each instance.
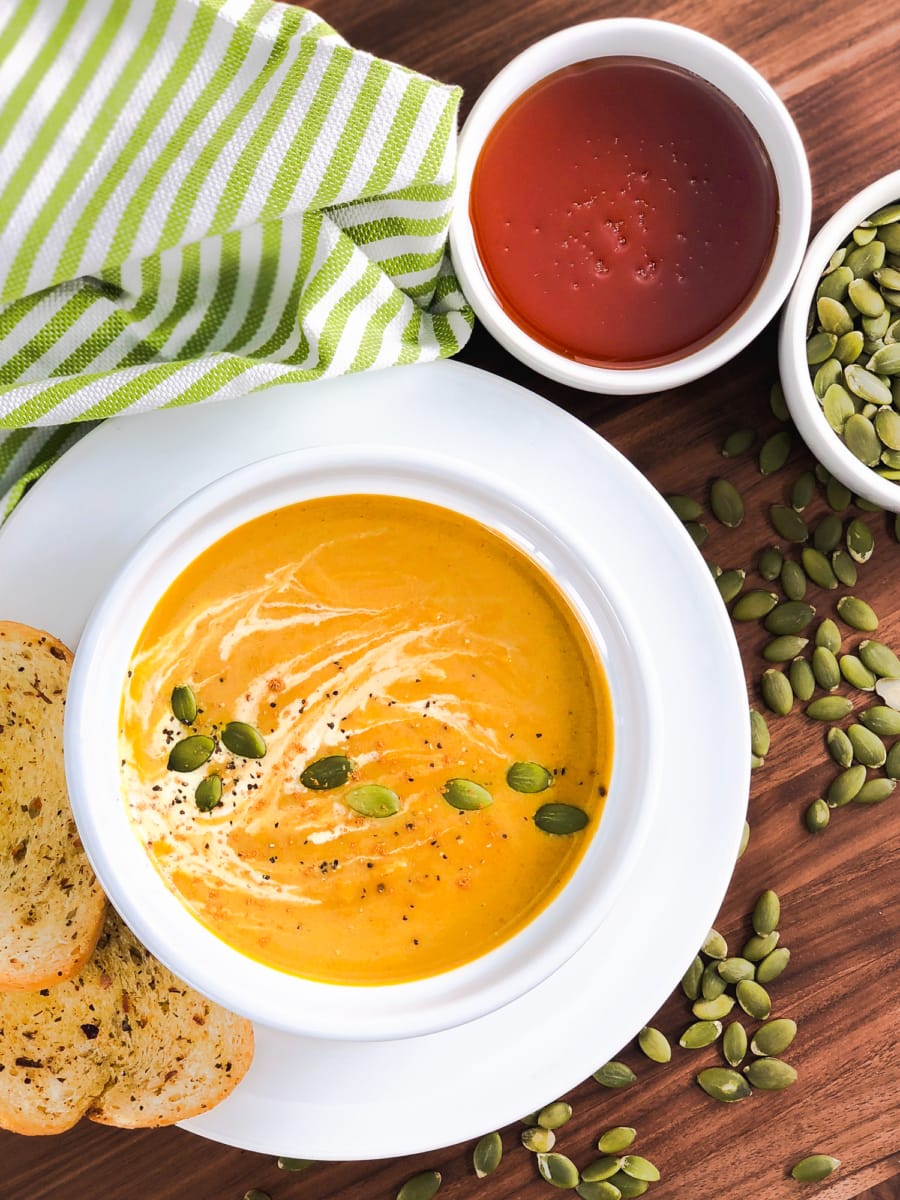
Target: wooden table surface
(835, 66)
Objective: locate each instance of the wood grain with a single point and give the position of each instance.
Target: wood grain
(835, 67)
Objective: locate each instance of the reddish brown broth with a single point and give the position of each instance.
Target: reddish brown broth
(624, 210)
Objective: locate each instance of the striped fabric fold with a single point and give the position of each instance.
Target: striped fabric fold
(203, 198)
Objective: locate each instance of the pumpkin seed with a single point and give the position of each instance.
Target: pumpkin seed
(714, 945)
(827, 375)
(537, 1139)
(817, 816)
(208, 793)
(774, 1037)
(730, 583)
(723, 1084)
(421, 1187)
(861, 439)
(818, 568)
(857, 613)
(256, 1194)
(326, 773)
(295, 1164)
(615, 1075)
(466, 795)
(604, 1168)
(711, 983)
(769, 564)
(837, 495)
(892, 763)
(802, 491)
(655, 1045)
(603, 1190)
(887, 360)
(874, 791)
(844, 787)
(868, 748)
(734, 1043)
(838, 406)
(770, 1074)
(885, 216)
(555, 1115)
(793, 580)
(184, 704)
(839, 746)
(867, 386)
(887, 423)
(242, 739)
(745, 839)
(372, 800)
(825, 668)
(773, 964)
(866, 298)
(863, 260)
(726, 503)
(775, 451)
(828, 635)
(690, 981)
(685, 507)
(713, 1010)
(856, 673)
(777, 693)
(777, 403)
(560, 819)
(700, 1034)
(640, 1168)
(860, 541)
(814, 1168)
(801, 679)
(828, 533)
(487, 1154)
(753, 605)
(889, 691)
(697, 532)
(753, 999)
(819, 347)
(734, 969)
(759, 945)
(627, 1187)
(829, 708)
(191, 753)
(836, 282)
(738, 442)
(844, 567)
(791, 617)
(788, 524)
(784, 648)
(528, 777)
(881, 719)
(558, 1170)
(879, 658)
(833, 316)
(760, 738)
(612, 1141)
(766, 912)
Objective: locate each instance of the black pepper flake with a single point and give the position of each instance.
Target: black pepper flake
(90, 1031)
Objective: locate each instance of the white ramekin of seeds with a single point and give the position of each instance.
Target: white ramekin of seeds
(839, 349)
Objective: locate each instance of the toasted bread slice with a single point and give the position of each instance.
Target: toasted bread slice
(51, 906)
(124, 1043)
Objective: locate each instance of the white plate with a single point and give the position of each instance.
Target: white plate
(327, 1100)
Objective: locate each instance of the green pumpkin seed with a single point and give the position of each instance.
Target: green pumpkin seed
(887, 424)
(857, 614)
(697, 532)
(874, 791)
(777, 693)
(828, 635)
(208, 793)
(602, 1190)
(818, 568)
(819, 347)
(839, 746)
(868, 748)
(769, 564)
(759, 945)
(753, 605)
(726, 503)
(700, 1034)
(714, 945)
(770, 1074)
(802, 492)
(864, 260)
(766, 912)
(256, 1194)
(844, 787)
(787, 523)
(734, 1044)
(833, 316)
(775, 452)
(888, 278)
(866, 298)
(734, 969)
(826, 669)
(817, 816)
(827, 375)
(760, 738)
(887, 360)
(191, 753)
(558, 1170)
(372, 800)
(838, 406)
(538, 1140)
(628, 1188)
(837, 495)
(685, 507)
(723, 1084)
(814, 1168)
(528, 777)
(560, 819)
(801, 679)
(555, 1115)
(793, 580)
(856, 673)
(640, 1168)
(713, 1010)
(882, 720)
(778, 404)
(773, 964)
(730, 583)
(604, 1168)
(774, 1037)
(829, 708)
(879, 658)
(421, 1187)
(487, 1155)
(745, 839)
(892, 763)
(326, 773)
(784, 648)
(791, 617)
(738, 442)
(828, 533)
(876, 327)
(711, 983)
(886, 215)
(243, 740)
(844, 567)
(615, 1075)
(613, 1141)
(295, 1164)
(861, 439)
(690, 981)
(866, 385)
(753, 999)
(466, 795)
(836, 282)
(655, 1045)
(184, 704)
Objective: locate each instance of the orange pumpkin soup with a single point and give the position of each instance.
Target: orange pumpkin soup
(401, 744)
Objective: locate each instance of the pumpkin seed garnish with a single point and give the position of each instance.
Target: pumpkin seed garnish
(753, 999)
(560, 819)
(726, 503)
(759, 945)
(613, 1141)
(778, 404)
(788, 523)
(466, 795)
(777, 692)
(753, 605)
(775, 452)
(604, 1168)
(242, 739)
(760, 738)
(640, 1168)
(628, 1188)
(889, 691)
(713, 1010)
(655, 1045)
(711, 982)
(208, 793)
(184, 704)
(714, 945)
(880, 659)
(837, 495)
(791, 617)
(690, 981)
(372, 800)
(766, 912)
(860, 542)
(738, 442)
(734, 1043)
(793, 580)
(770, 1074)
(874, 791)
(326, 773)
(892, 763)
(601, 1190)
(818, 568)
(817, 816)
(828, 533)
(814, 1168)
(295, 1164)
(700, 1034)
(191, 753)
(730, 583)
(745, 839)
(784, 648)
(774, 1037)
(839, 746)
(487, 1154)
(724, 1084)
(825, 669)
(256, 1194)
(801, 679)
(538, 1140)
(685, 507)
(844, 568)
(421, 1187)
(555, 1115)
(697, 532)
(773, 964)
(829, 708)
(558, 1170)
(856, 673)
(614, 1074)
(828, 635)
(868, 748)
(733, 970)
(770, 563)
(857, 614)
(845, 786)
(528, 777)
(803, 490)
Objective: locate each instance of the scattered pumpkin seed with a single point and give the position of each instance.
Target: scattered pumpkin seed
(774, 1037)
(697, 532)
(803, 490)
(738, 442)
(760, 738)
(814, 1168)
(784, 648)
(208, 793)
(685, 507)
(770, 562)
(766, 912)
(726, 503)
(555, 1115)
(723, 1083)
(828, 635)
(487, 1154)
(773, 964)
(874, 791)
(734, 1044)
(818, 568)
(892, 763)
(817, 816)
(753, 999)
(606, 1167)
(827, 533)
(837, 495)
(538, 1140)
(421, 1187)
(184, 704)
(714, 945)
(793, 580)
(860, 541)
(372, 800)
(558, 1170)
(614, 1140)
(256, 1194)
(856, 673)
(753, 605)
(777, 692)
(295, 1164)
(792, 616)
(628, 1188)
(603, 1190)
(745, 839)
(825, 669)
(759, 945)
(770, 1074)
(615, 1074)
(655, 1045)
(560, 819)
(466, 795)
(801, 679)
(889, 691)
(730, 584)
(700, 1034)
(326, 773)
(879, 658)
(868, 748)
(833, 316)
(857, 614)
(839, 746)
(734, 969)
(640, 1168)
(528, 777)
(788, 523)
(243, 740)
(775, 452)
(819, 347)
(844, 787)
(777, 403)
(191, 753)
(713, 1010)
(844, 567)
(837, 405)
(690, 981)
(829, 708)
(711, 983)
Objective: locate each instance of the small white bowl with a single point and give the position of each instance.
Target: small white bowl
(158, 917)
(731, 75)
(795, 379)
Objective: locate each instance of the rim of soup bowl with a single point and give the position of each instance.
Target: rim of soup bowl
(156, 915)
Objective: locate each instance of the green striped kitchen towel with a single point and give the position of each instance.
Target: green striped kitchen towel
(203, 198)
